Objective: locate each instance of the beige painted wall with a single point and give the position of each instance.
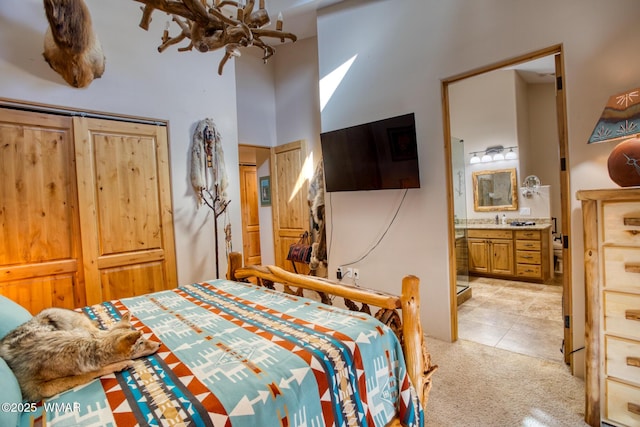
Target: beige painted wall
(433, 40)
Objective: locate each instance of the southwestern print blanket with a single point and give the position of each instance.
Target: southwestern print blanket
(235, 354)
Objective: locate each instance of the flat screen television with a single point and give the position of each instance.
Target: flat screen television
(373, 156)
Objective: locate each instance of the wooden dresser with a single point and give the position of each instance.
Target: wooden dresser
(612, 275)
(521, 253)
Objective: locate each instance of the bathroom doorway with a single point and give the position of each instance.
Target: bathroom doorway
(519, 67)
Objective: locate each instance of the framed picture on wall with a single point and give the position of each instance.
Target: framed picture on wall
(265, 191)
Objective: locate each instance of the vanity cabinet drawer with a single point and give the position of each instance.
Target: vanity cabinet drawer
(528, 245)
(622, 223)
(622, 314)
(528, 270)
(622, 268)
(623, 403)
(622, 359)
(528, 234)
(489, 234)
(528, 257)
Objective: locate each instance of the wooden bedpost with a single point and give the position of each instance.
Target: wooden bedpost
(234, 264)
(416, 355)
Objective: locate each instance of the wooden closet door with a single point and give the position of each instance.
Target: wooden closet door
(39, 233)
(289, 190)
(125, 208)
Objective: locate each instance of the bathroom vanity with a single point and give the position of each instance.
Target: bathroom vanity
(511, 252)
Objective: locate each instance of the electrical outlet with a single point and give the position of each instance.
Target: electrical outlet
(349, 272)
(356, 274)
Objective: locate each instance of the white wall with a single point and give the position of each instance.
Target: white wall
(544, 160)
(297, 98)
(484, 113)
(181, 87)
(255, 91)
(501, 108)
(278, 103)
(403, 53)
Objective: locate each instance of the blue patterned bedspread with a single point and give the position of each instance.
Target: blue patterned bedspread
(234, 354)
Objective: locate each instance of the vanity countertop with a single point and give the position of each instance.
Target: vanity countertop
(509, 227)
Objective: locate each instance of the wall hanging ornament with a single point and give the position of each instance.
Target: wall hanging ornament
(209, 178)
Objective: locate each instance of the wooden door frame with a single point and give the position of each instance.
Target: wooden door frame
(557, 51)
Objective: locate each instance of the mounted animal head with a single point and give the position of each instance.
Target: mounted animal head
(70, 46)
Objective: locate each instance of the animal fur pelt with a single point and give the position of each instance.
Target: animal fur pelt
(59, 349)
(70, 46)
(316, 206)
(207, 158)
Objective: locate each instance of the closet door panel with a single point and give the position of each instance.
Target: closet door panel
(137, 279)
(39, 233)
(126, 214)
(127, 193)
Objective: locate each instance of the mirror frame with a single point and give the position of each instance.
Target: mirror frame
(514, 191)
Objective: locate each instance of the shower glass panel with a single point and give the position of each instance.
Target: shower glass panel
(460, 215)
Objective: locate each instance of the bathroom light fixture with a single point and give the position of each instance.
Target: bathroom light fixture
(494, 153)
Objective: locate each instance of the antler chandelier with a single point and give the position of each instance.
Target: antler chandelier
(225, 23)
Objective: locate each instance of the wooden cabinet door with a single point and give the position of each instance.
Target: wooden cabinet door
(39, 234)
(502, 257)
(250, 216)
(479, 255)
(289, 188)
(125, 208)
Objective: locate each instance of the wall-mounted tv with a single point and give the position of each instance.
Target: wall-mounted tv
(373, 156)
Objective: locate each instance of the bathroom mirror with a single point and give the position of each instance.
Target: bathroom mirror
(495, 190)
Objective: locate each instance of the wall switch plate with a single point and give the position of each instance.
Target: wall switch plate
(525, 211)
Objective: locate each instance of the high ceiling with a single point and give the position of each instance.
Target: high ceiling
(300, 19)
(299, 15)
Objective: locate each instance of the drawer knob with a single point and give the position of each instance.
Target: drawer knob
(632, 314)
(632, 267)
(633, 361)
(633, 408)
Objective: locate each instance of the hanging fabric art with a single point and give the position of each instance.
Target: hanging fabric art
(208, 171)
(209, 177)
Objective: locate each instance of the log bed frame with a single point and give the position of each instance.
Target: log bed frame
(407, 325)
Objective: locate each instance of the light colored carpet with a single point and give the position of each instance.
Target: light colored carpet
(478, 385)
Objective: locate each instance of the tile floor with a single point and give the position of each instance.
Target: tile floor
(520, 317)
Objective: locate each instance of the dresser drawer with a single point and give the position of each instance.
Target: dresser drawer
(528, 245)
(623, 403)
(528, 270)
(622, 359)
(527, 257)
(622, 268)
(620, 312)
(528, 234)
(622, 223)
(489, 233)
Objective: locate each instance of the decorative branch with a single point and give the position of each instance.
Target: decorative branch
(209, 27)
